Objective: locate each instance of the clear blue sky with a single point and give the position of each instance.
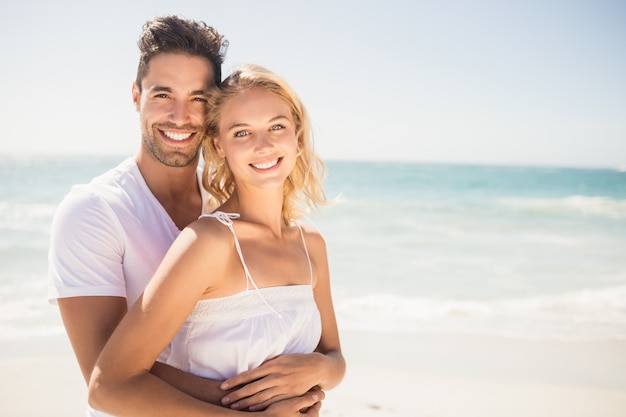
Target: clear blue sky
(528, 82)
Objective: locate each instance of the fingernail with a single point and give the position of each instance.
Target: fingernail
(225, 400)
(235, 406)
(224, 385)
(314, 397)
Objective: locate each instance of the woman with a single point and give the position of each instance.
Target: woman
(244, 292)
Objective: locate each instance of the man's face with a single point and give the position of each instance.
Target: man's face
(172, 107)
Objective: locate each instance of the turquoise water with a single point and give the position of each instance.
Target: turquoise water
(512, 251)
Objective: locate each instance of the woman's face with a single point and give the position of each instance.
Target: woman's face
(258, 138)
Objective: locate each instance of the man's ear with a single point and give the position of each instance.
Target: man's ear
(136, 95)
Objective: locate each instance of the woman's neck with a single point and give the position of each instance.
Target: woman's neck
(259, 206)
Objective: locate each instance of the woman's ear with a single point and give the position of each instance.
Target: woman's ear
(218, 147)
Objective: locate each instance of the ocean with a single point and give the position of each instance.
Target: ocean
(518, 252)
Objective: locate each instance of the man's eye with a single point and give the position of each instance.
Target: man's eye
(162, 95)
(200, 99)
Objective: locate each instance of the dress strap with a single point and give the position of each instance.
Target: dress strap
(306, 250)
(227, 220)
(224, 218)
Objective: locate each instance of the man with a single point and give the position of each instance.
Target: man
(109, 236)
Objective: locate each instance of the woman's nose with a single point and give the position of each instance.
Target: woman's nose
(263, 141)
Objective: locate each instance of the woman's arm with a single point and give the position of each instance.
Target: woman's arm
(294, 374)
(121, 383)
(334, 368)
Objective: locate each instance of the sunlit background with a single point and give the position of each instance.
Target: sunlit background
(524, 83)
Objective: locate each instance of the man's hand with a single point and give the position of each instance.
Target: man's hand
(280, 378)
(308, 405)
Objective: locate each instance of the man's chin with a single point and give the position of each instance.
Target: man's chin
(178, 160)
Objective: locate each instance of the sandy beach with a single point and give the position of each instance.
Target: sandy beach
(454, 375)
(389, 374)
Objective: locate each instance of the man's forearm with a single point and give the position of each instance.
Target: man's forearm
(204, 389)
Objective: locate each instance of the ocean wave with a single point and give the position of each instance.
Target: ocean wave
(12, 332)
(30, 216)
(28, 316)
(589, 314)
(575, 204)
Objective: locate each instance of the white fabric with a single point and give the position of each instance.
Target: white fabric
(226, 336)
(223, 337)
(108, 237)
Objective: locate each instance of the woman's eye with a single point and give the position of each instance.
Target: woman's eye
(278, 127)
(241, 134)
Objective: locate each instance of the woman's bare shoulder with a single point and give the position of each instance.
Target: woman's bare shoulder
(314, 238)
(209, 232)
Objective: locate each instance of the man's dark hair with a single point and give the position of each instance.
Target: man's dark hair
(173, 34)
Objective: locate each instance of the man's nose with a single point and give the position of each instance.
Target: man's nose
(179, 112)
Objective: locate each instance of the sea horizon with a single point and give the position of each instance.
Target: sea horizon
(511, 251)
(17, 155)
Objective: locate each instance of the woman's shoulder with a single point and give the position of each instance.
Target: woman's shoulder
(313, 237)
(211, 229)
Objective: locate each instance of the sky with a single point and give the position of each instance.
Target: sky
(488, 82)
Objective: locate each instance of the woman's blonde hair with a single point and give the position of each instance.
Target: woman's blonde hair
(303, 188)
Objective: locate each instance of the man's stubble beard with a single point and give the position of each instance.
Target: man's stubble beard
(175, 159)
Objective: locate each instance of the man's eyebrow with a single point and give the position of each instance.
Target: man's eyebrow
(158, 88)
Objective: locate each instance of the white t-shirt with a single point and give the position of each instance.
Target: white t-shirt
(108, 237)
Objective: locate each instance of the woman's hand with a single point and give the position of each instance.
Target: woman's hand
(280, 378)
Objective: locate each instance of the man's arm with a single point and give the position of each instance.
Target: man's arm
(90, 321)
(207, 390)
(87, 251)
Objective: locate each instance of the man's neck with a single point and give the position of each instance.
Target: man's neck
(176, 188)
